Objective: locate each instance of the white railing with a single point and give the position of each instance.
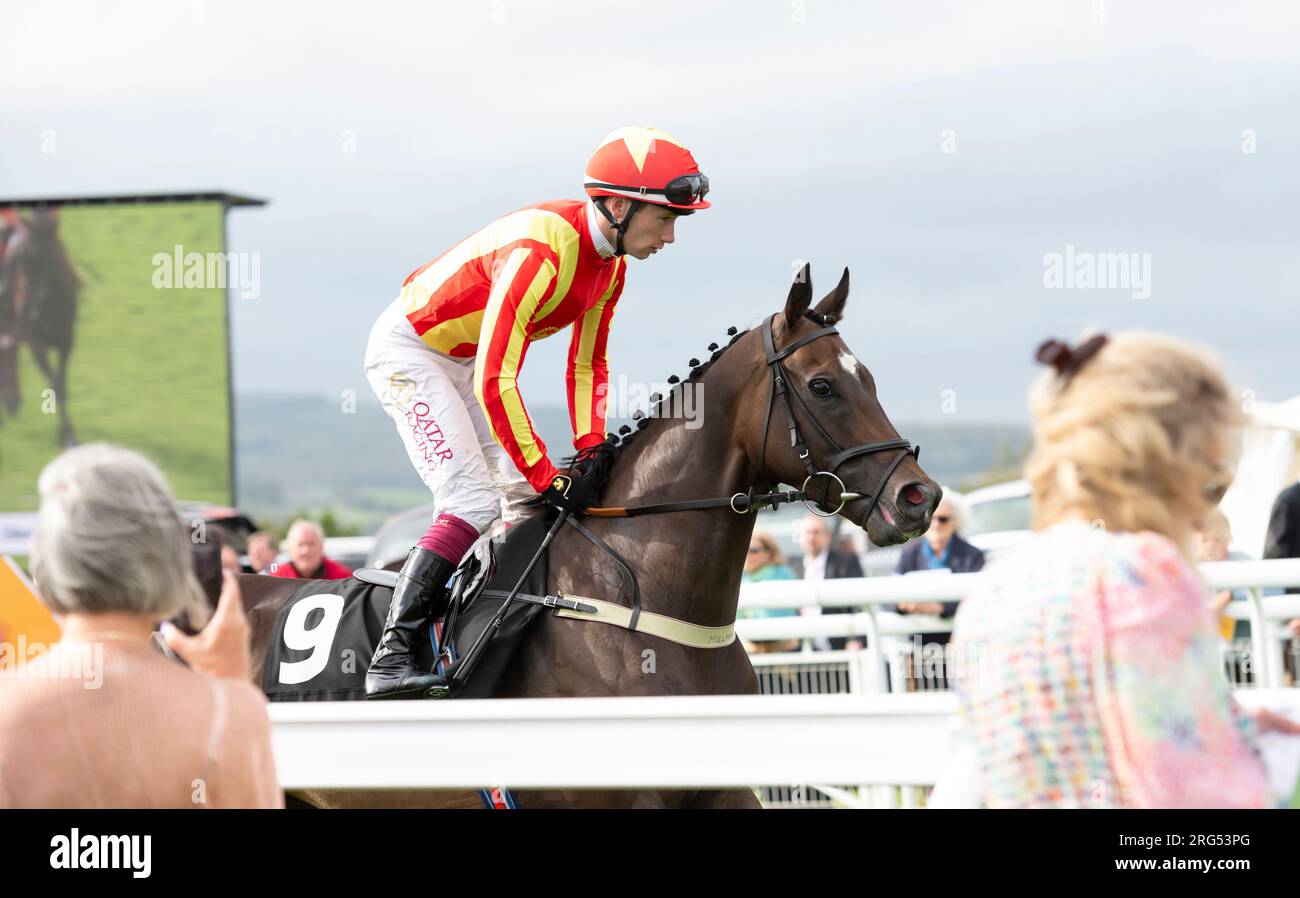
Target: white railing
(870, 593)
(686, 742)
(650, 742)
(896, 743)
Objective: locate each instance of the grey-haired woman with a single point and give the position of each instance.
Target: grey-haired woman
(101, 718)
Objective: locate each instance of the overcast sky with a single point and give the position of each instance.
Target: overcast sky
(827, 131)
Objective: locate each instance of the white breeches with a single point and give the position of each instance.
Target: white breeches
(430, 398)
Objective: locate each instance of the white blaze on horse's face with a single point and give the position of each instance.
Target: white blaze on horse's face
(849, 363)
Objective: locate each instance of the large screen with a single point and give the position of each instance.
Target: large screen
(113, 327)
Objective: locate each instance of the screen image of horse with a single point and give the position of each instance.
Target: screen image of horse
(95, 346)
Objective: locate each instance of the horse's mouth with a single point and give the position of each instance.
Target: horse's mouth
(888, 517)
(879, 524)
(882, 527)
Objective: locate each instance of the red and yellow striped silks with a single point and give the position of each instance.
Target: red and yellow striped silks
(522, 278)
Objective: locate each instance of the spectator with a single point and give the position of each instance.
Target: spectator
(1283, 537)
(846, 544)
(821, 562)
(941, 549)
(306, 547)
(1213, 537)
(765, 561)
(101, 719)
(230, 560)
(262, 551)
(1089, 671)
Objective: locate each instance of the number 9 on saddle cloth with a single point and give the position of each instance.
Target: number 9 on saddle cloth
(326, 630)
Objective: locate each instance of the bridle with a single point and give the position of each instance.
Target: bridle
(743, 503)
(781, 386)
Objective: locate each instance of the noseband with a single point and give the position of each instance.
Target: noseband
(781, 386)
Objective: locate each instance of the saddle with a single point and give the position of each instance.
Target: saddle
(326, 630)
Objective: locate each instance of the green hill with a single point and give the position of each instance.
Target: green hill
(296, 451)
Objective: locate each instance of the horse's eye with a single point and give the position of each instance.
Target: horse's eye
(821, 387)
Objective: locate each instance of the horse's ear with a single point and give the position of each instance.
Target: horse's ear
(833, 303)
(800, 296)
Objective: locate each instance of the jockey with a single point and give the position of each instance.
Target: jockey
(444, 360)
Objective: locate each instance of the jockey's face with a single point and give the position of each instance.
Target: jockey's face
(650, 231)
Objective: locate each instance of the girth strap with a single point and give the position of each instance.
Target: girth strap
(569, 602)
(661, 625)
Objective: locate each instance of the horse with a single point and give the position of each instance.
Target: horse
(689, 562)
(49, 307)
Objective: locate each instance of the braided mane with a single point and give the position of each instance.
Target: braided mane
(597, 462)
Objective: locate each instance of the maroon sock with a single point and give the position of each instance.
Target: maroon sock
(449, 537)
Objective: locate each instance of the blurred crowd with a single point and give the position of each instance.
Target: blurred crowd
(304, 550)
(941, 549)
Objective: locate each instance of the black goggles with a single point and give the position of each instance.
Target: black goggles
(684, 190)
(687, 190)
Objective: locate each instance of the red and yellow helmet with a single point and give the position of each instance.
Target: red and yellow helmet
(648, 165)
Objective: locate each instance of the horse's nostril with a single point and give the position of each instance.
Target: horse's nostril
(913, 495)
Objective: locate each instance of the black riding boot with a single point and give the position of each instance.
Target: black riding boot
(392, 672)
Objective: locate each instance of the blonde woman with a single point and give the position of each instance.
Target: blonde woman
(1087, 664)
(101, 719)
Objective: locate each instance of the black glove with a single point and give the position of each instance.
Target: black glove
(570, 491)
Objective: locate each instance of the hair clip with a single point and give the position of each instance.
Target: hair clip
(1068, 360)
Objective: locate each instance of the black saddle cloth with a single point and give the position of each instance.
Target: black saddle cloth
(327, 630)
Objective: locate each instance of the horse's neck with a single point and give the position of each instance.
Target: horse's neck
(688, 563)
